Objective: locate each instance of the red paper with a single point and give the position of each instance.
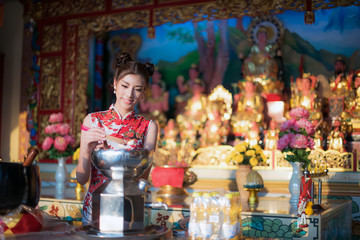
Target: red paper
(26, 223)
(272, 97)
(167, 176)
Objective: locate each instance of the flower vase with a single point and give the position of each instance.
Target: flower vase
(241, 173)
(61, 175)
(295, 182)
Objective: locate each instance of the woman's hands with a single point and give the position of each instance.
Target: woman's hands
(91, 138)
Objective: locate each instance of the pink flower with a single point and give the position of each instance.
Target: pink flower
(284, 141)
(56, 117)
(50, 129)
(70, 139)
(311, 143)
(47, 143)
(287, 125)
(61, 143)
(63, 129)
(299, 112)
(299, 141)
(305, 124)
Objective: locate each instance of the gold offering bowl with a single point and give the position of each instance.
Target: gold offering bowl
(173, 195)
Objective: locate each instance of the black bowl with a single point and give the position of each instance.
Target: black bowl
(18, 185)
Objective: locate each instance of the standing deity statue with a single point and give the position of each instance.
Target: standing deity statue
(271, 137)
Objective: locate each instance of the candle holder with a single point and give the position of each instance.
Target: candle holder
(253, 198)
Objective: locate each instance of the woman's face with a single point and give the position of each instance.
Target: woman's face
(129, 91)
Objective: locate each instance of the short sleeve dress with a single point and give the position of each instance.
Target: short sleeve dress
(132, 128)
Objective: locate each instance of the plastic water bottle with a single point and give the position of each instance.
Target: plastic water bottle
(195, 216)
(215, 217)
(206, 227)
(238, 210)
(230, 225)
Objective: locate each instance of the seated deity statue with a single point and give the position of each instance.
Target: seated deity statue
(156, 104)
(261, 67)
(271, 137)
(216, 128)
(248, 108)
(194, 117)
(336, 138)
(307, 97)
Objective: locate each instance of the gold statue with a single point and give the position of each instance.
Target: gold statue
(218, 110)
(337, 138)
(260, 66)
(248, 108)
(341, 83)
(252, 136)
(272, 136)
(318, 136)
(193, 119)
(307, 96)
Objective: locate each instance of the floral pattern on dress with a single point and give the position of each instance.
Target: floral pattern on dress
(131, 128)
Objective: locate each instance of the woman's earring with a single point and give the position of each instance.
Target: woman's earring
(114, 90)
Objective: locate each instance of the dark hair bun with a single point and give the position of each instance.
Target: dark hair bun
(150, 68)
(123, 59)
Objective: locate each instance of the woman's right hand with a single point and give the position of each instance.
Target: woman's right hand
(91, 138)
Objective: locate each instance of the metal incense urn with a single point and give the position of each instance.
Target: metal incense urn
(118, 206)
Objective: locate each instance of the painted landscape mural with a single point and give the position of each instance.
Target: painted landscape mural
(219, 47)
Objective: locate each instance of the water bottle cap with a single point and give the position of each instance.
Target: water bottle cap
(228, 195)
(206, 195)
(196, 194)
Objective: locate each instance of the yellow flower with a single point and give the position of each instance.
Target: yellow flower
(239, 158)
(250, 153)
(76, 154)
(308, 209)
(253, 161)
(241, 147)
(231, 156)
(257, 148)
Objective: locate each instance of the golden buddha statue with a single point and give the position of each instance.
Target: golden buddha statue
(337, 138)
(216, 127)
(260, 66)
(249, 108)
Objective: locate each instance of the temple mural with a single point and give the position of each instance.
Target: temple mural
(221, 51)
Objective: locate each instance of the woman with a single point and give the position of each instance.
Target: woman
(120, 122)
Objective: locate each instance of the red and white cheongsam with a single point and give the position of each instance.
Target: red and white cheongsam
(131, 128)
